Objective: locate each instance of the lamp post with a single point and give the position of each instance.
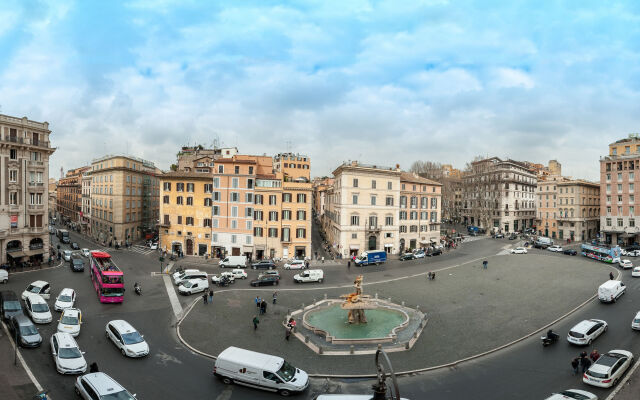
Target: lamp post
(161, 261)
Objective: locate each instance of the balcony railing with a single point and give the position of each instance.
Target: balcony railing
(33, 163)
(373, 228)
(29, 141)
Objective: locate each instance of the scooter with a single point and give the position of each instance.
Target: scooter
(137, 289)
(546, 340)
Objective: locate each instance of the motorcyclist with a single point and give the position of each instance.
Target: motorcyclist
(551, 335)
(136, 287)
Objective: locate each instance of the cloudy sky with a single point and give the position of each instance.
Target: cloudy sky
(383, 82)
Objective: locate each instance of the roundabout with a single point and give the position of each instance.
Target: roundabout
(471, 311)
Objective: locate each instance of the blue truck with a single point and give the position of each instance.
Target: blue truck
(371, 257)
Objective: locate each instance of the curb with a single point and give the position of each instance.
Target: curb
(39, 269)
(23, 363)
(419, 370)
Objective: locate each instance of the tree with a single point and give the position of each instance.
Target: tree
(173, 167)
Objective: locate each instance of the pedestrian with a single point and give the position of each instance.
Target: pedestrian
(210, 296)
(275, 297)
(611, 275)
(323, 259)
(306, 264)
(204, 298)
(93, 368)
(287, 332)
(586, 363)
(263, 307)
(484, 264)
(594, 355)
(349, 264)
(574, 364)
(256, 321)
(292, 324)
(257, 301)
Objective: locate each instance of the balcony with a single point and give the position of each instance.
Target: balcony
(164, 224)
(373, 228)
(26, 141)
(35, 207)
(38, 164)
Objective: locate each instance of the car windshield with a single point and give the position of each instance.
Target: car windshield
(124, 395)
(637, 320)
(28, 330)
(574, 395)
(132, 338)
(40, 307)
(112, 292)
(69, 352)
(576, 334)
(12, 306)
(69, 320)
(33, 289)
(186, 284)
(111, 279)
(65, 298)
(287, 371)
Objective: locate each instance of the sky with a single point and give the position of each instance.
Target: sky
(381, 82)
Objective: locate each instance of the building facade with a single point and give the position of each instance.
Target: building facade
(69, 197)
(85, 215)
(619, 177)
(124, 198)
(420, 211)
(53, 193)
(499, 195)
(362, 209)
(25, 149)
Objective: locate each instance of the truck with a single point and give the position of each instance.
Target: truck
(63, 235)
(371, 257)
(542, 242)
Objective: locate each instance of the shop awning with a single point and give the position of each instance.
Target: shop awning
(354, 247)
(34, 252)
(16, 254)
(247, 249)
(424, 242)
(259, 247)
(388, 245)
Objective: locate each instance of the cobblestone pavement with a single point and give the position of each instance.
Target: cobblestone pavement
(471, 310)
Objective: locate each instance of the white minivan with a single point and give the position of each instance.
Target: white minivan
(609, 291)
(190, 274)
(233, 261)
(260, 371)
(310, 275)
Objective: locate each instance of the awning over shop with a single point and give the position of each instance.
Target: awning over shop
(247, 249)
(259, 247)
(354, 247)
(16, 254)
(388, 245)
(34, 252)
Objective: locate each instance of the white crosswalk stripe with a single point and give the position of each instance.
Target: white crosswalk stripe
(142, 249)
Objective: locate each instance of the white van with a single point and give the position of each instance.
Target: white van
(190, 275)
(233, 261)
(609, 291)
(310, 275)
(4, 276)
(260, 371)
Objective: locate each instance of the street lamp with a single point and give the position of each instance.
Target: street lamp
(161, 261)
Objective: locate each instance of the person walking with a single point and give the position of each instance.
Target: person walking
(292, 324)
(257, 301)
(611, 275)
(575, 363)
(586, 363)
(594, 355)
(255, 321)
(349, 264)
(263, 307)
(93, 368)
(484, 264)
(287, 332)
(275, 297)
(204, 298)
(323, 259)
(210, 296)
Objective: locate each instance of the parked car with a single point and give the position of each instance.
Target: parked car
(265, 280)
(192, 286)
(38, 287)
(310, 275)
(555, 248)
(85, 252)
(74, 246)
(38, 309)
(635, 272)
(407, 256)
(635, 324)
(498, 236)
(519, 250)
(70, 321)
(295, 264)
(4, 276)
(575, 394)
(76, 263)
(239, 273)
(419, 254)
(9, 305)
(130, 342)
(66, 254)
(434, 252)
(67, 355)
(625, 264)
(587, 331)
(99, 385)
(569, 252)
(263, 264)
(65, 299)
(153, 245)
(513, 236)
(274, 273)
(633, 253)
(188, 274)
(224, 275)
(28, 335)
(608, 369)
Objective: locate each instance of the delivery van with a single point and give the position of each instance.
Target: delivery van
(233, 262)
(310, 275)
(609, 291)
(260, 371)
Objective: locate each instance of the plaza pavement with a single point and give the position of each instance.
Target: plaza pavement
(470, 311)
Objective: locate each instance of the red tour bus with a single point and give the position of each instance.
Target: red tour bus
(106, 277)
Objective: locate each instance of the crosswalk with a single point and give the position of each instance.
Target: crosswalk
(137, 248)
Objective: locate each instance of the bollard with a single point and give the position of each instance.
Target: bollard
(319, 349)
(306, 339)
(351, 349)
(406, 346)
(325, 296)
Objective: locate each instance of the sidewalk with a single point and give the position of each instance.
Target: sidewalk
(14, 381)
(631, 388)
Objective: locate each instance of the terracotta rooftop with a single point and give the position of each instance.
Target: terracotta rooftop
(185, 174)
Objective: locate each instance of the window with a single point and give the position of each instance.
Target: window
(250, 170)
(286, 234)
(631, 187)
(608, 221)
(216, 182)
(216, 196)
(234, 197)
(373, 200)
(189, 220)
(403, 201)
(190, 187)
(258, 199)
(13, 175)
(355, 220)
(301, 215)
(373, 184)
(354, 236)
(236, 169)
(632, 222)
(216, 210)
(389, 185)
(403, 215)
(286, 197)
(214, 237)
(234, 238)
(389, 201)
(207, 202)
(272, 200)
(248, 212)
(302, 198)
(234, 224)
(234, 183)
(301, 233)
(249, 198)
(221, 169)
(355, 182)
(208, 187)
(355, 199)
(258, 215)
(273, 215)
(179, 200)
(414, 202)
(180, 187)
(206, 222)
(13, 154)
(403, 229)
(388, 221)
(434, 203)
(286, 215)
(234, 211)
(273, 232)
(257, 231)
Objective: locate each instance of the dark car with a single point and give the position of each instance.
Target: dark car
(569, 252)
(434, 252)
(407, 256)
(498, 236)
(266, 280)
(75, 246)
(76, 263)
(264, 264)
(513, 237)
(25, 330)
(9, 305)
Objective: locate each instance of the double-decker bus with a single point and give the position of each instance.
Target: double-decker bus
(107, 278)
(609, 255)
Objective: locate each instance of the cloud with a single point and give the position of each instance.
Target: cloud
(512, 78)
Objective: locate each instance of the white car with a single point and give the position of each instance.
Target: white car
(85, 252)
(67, 255)
(519, 250)
(130, 342)
(38, 309)
(65, 299)
(295, 264)
(633, 253)
(636, 272)
(38, 287)
(625, 264)
(191, 286)
(99, 385)
(153, 246)
(635, 324)
(587, 331)
(67, 355)
(608, 369)
(239, 273)
(573, 394)
(419, 254)
(555, 248)
(70, 321)
(216, 278)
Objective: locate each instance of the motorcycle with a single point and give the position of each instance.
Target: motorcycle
(137, 289)
(224, 281)
(546, 340)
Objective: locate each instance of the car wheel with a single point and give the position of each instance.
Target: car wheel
(270, 267)
(253, 267)
(274, 283)
(227, 381)
(123, 352)
(320, 280)
(106, 334)
(589, 342)
(284, 393)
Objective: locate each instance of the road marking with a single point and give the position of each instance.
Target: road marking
(175, 303)
(38, 269)
(23, 363)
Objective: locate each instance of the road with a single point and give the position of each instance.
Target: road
(524, 371)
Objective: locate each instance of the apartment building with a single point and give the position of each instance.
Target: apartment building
(24, 161)
(499, 195)
(419, 214)
(53, 193)
(319, 196)
(124, 198)
(619, 177)
(362, 209)
(579, 209)
(85, 213)
(69, 192)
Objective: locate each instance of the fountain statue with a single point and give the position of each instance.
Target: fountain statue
(356, 303)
